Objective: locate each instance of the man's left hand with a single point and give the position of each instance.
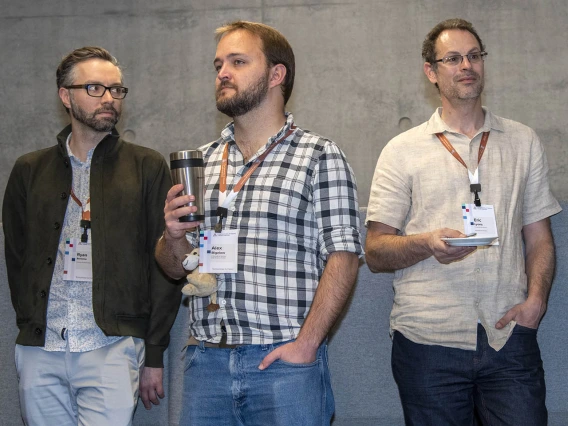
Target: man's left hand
(151, 386)
(527, 314)
(293, 352)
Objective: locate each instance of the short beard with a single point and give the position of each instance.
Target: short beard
(105, 124)
(247, 100)
(467, 94)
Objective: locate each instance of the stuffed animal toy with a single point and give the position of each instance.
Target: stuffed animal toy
(198, 284)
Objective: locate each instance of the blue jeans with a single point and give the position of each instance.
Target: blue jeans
(224, 387)
(441, 386)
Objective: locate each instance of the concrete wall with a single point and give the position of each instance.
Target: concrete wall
(359, 74)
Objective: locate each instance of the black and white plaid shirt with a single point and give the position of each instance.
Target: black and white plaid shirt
(299, 206)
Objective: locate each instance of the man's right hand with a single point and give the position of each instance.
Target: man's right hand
(443, 252)
(176, 207)
(173, 247)
(385, 250)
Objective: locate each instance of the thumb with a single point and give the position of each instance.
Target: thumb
(506, 319)
(269, 359)
(160, 391)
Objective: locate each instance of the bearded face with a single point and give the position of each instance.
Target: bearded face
(102, 119)
(242, 100)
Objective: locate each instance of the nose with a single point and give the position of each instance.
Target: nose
(465, 62)
(107, 96)
(223, 73)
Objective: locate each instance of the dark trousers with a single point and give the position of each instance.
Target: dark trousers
(442, 386)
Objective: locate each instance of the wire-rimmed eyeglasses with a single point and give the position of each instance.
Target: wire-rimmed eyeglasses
(454, 60)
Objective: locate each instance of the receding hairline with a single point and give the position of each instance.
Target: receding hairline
(247, 26)
(463, 30)
(73, 70)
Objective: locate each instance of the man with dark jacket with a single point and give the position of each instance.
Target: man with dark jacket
(81, 219)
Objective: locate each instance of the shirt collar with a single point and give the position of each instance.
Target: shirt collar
(73, 157)
(437, 125)
(228, 133)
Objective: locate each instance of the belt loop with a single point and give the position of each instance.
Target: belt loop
(202, 346)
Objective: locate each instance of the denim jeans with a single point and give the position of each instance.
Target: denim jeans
(441, 386)
(224, 387)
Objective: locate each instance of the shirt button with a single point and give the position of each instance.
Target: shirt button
(477, 270)
(38, 331)
(63, 195)
(42, 293)
(223, 302)
(49, 261)
(56, 225)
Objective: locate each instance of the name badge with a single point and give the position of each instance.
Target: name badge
(481, 220)
(218, 251)
(78, 261)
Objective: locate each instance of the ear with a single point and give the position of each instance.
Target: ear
(277, 75)
(64, 96)
(430, 72)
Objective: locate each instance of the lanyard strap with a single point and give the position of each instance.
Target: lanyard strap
(85, 216)
(86, 213)
(474, 186)
(452, 150)
(247, 175)
(223, 209)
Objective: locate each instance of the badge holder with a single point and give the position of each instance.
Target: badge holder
(476, 188)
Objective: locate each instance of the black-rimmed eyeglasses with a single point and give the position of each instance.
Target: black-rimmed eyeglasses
(98, 90)
(454, 60)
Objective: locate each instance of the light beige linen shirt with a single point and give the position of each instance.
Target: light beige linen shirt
(418, 186)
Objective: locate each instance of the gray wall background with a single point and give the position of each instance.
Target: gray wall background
(359, 74)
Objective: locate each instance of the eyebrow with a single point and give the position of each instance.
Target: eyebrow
(229, 56)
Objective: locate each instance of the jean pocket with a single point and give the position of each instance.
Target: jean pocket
(293, 364)
(190, 355)
(522, 329)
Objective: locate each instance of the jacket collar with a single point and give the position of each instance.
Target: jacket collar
(109, 146)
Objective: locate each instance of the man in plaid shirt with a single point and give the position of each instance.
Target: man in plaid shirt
(261, 357)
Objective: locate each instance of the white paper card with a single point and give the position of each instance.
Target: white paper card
(480, 220)
(78, 261)
(218, 252)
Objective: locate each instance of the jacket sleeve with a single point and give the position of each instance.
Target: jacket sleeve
(14, 219)
(165, 294)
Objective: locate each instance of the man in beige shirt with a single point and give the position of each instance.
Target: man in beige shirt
(465, 317)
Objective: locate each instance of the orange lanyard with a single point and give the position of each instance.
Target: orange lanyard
(452, 150)
(222, 211)
(247, 175)
(85, 216)
(474, 186)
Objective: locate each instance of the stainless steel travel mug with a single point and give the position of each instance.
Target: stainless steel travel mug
(187, 168)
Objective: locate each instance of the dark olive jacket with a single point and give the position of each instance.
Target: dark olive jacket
(128, 186)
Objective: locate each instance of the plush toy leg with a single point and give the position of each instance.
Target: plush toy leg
(213, 306)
